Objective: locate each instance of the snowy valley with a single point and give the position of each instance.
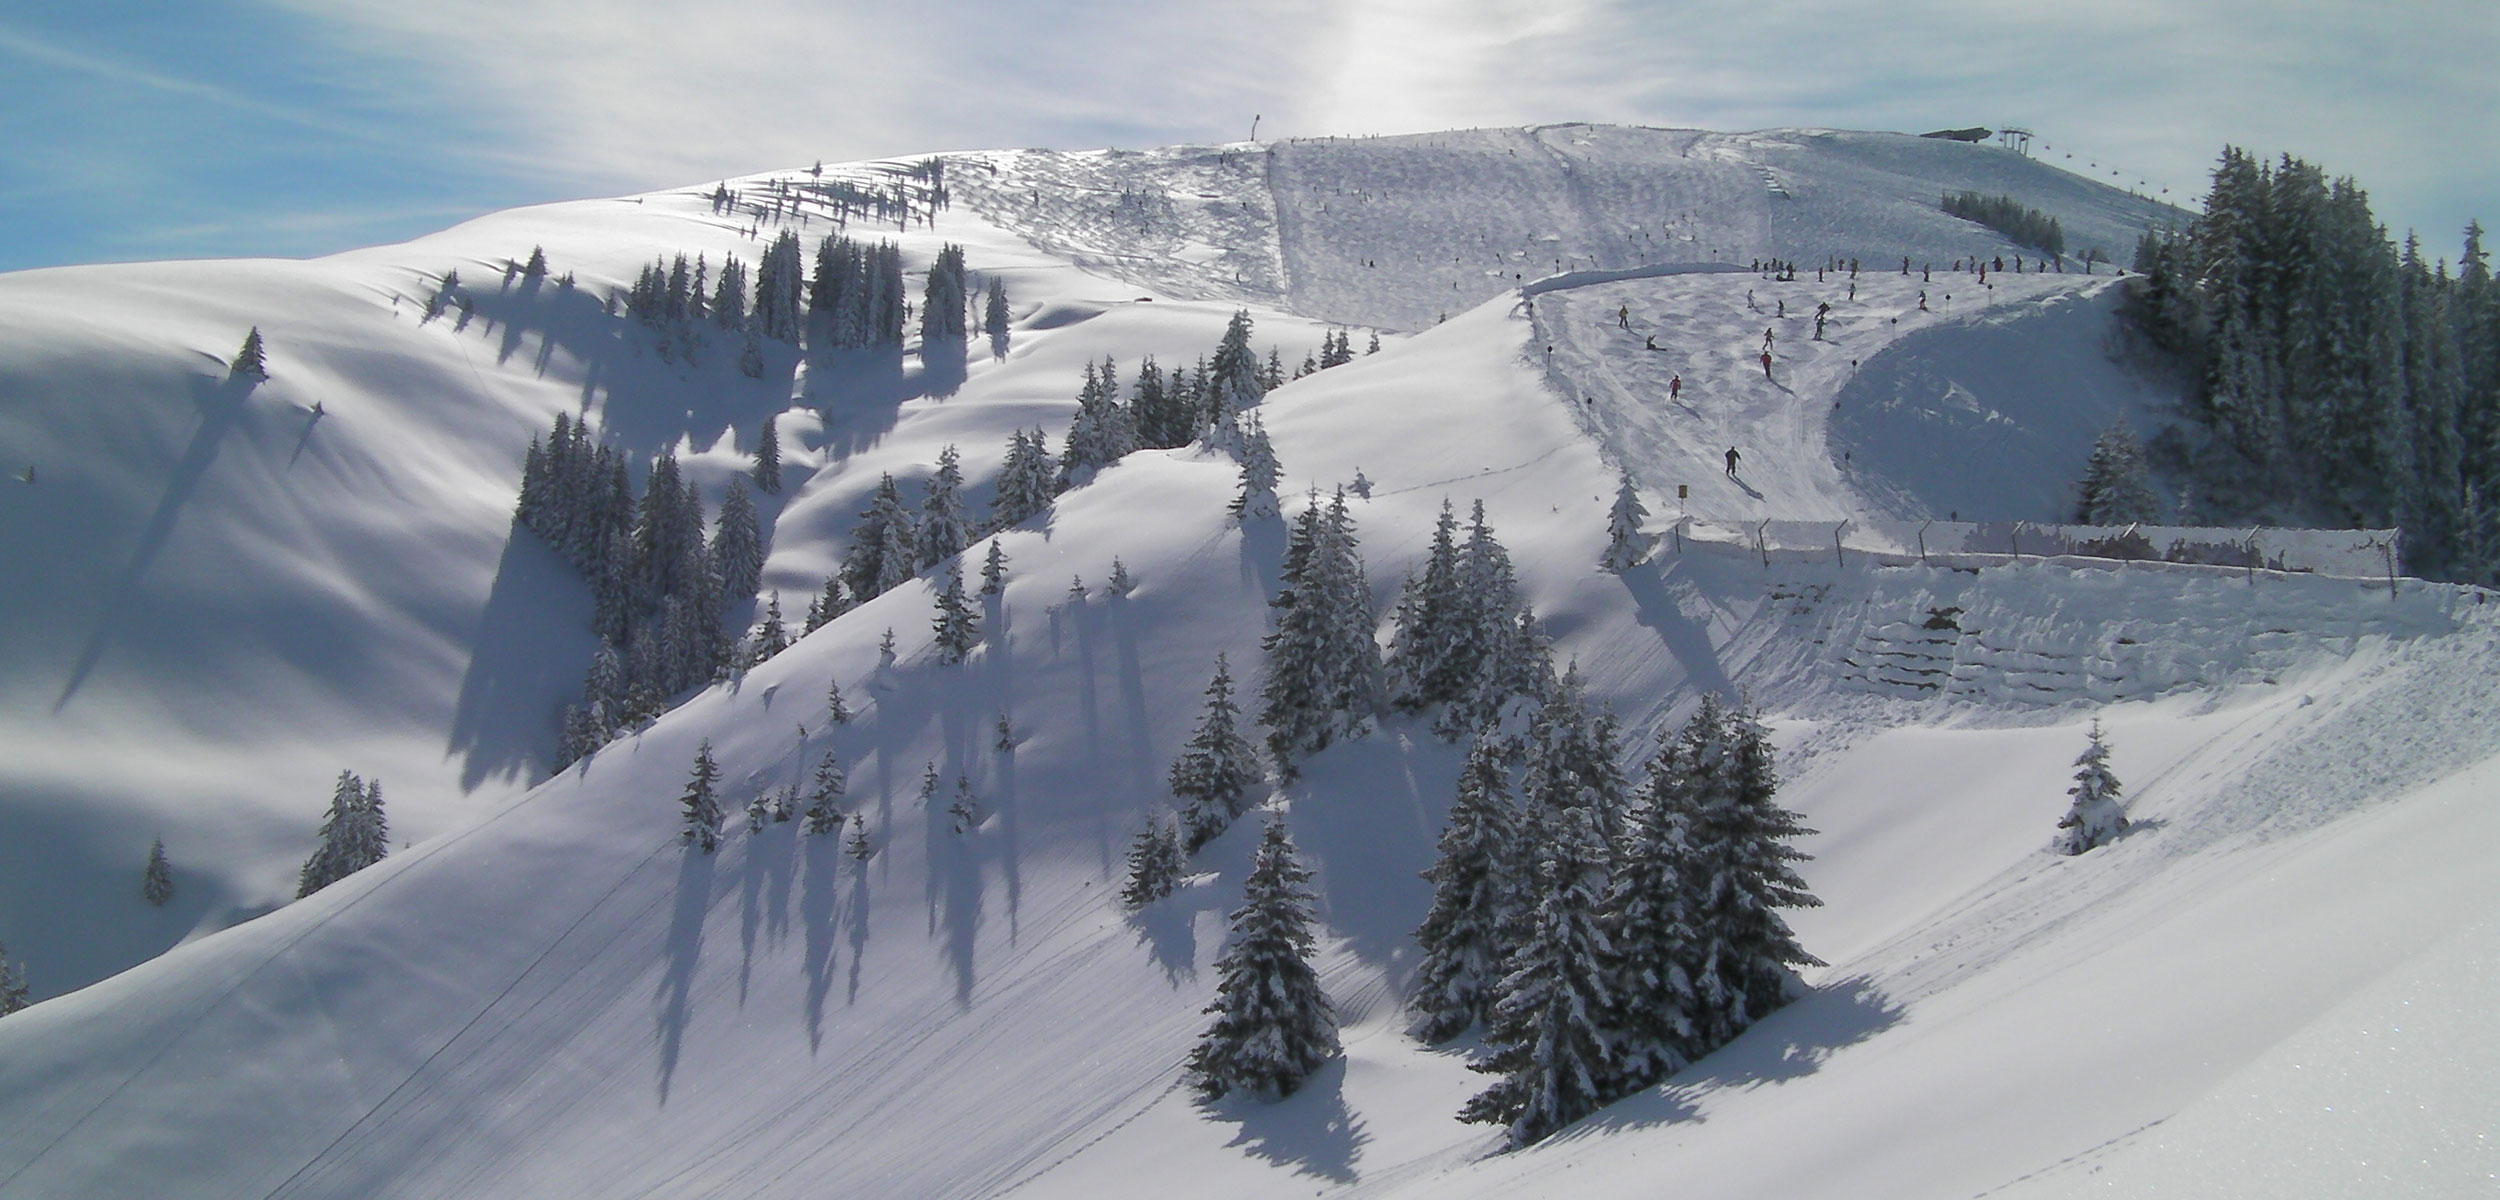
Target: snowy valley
(231, 589)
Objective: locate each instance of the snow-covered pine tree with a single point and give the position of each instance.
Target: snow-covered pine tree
(942, 300)
(1493, 656)
(251, 362)
(1102, 432)
(729, 296)
(994, 570)
(1650, 923)
(994, 316)
(945, 528)
(824, 796)
(759, 811)
(2095, 818)
(1742, 875)
(1026, 481)
(860, 846)
(1216, 768)
(738, 544)
(1259, 472)
(1273, 1026)
(536, 267)
(1431, 620)
(1296, 700)
(1164, 417)
(2116, 489)
(768, 456)
(1353, 646)
(958, 626)
(702, 801)
(1121, 582)
(156, 884)
(885, 530)
(1155, 862)
(835, 707)
(1551, 1049)
(14, 994)
(1625, 544)
(1235, 381)
(353, 835)
(1474, 900)
(771, 635)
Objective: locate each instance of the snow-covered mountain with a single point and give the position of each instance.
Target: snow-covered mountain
(234, 594)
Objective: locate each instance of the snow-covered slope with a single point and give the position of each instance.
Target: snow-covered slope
(548, 995)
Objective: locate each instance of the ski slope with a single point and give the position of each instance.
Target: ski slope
(546, 994)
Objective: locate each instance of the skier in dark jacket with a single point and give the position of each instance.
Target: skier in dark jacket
(1732, 456)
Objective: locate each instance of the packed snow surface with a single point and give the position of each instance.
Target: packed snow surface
(2269, 987)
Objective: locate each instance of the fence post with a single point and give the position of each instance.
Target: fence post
(1838, 558)
(2387, 554)
(1762, 543)
(2014, 538)
(1922, 540)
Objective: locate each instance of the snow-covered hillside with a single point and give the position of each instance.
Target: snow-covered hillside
(545, 993)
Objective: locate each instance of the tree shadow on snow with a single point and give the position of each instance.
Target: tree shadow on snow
(685, 950)
(1310, 1132)
(1168, 928)
(527, 653)
(1687, 639)
(818, 898)
(1368, 822)
(221, 401)
(1789, 1044)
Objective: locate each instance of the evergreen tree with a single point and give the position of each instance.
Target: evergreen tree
(1494, 653)
(835, 706)
(14, 994)
(1551, 1048)
(1216, 768)
(994, 315)
(1121, 582)
(1650, 921)
(251, 362)
(738, 544)
(1273, 1026)
(994, 571)
(354, 835)
(768, 456)
(945, 528)
(1432, 620)
(1741, 875)
(1164, 417)
(1026, 483)
(536, 268)
(771, 636)
(1155, 862)
(702, 801)
(2115, 488)
(1102, 432)
(156, 885)
(942, 300)
(1259, 473)
(884, 546)
(860, 846)
(824, 796)
(1323, 668)
(958, 627)
(1474, 900)
(1235, 382)
(2095, 818)
(1625, 544)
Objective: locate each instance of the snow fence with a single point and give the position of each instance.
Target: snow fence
(2341, 553)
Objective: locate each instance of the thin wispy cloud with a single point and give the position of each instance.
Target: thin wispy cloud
(543, 99)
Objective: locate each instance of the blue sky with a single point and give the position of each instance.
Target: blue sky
(297, 127)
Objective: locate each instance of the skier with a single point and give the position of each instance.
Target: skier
(1731, 462)
(1651, 343)
(1623, 316)
(1766, 364)
(1675, 387)
(1922, 302)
